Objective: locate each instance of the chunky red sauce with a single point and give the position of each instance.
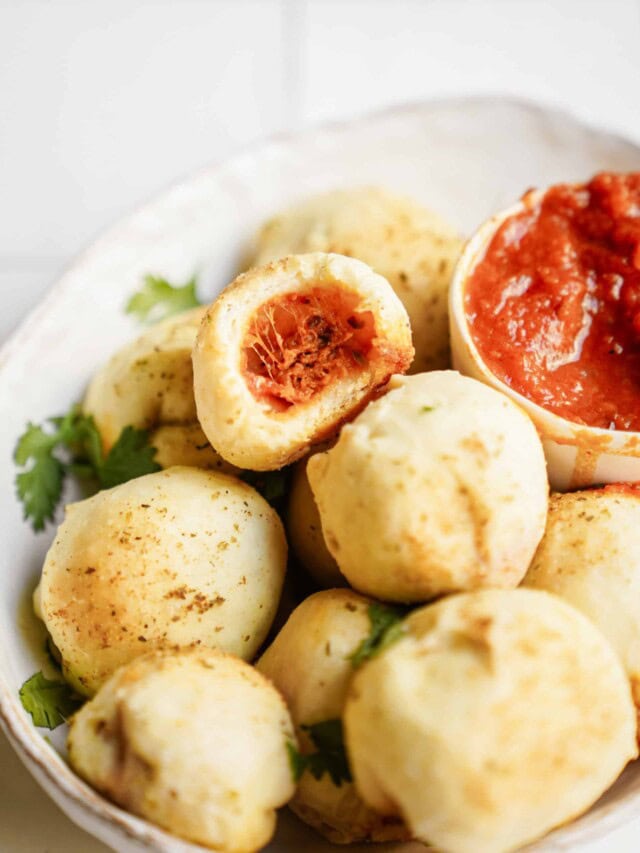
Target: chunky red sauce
(554, 305)
(299, 343)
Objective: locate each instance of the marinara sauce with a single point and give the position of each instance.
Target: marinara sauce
(554, 305)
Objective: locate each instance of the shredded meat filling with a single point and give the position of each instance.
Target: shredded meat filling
(298, 343)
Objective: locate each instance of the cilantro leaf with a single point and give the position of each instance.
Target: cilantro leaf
(157, 299)
(32, 443)
(272, 485)
(50, 703)
(297, 761)
(330, 756)
(83, 439)
(39, 488)
(386, 628)
(72, 444)
(131, 456)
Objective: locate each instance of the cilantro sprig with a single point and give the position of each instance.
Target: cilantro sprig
(157, 299)
(71, 444)
(330, 755)
(50, 702)
(386, 627)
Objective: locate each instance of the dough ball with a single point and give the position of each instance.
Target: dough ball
(289, 351)
(179, 558)
(148, 384)
(304, 532)
(413, 248)
(195, 742)
(590, 556)
(438, 486)
(186, 444)
(309, 664)
(498, 716)
(309, 659)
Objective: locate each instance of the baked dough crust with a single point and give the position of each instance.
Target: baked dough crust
(590, 557)
(439, 486)
(245, 429)
(304, 532)
(412, 247)
(498, 715)
(179, 558)
(148, 384)
(309, 664)
(195, 742)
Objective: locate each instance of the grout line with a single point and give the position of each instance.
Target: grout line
(294, 37)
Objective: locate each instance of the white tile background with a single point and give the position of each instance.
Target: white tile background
(103, 102)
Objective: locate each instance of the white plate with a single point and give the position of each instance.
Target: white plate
(465, 158)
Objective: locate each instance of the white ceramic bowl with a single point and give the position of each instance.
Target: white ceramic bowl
(456, 156)
(577, 455)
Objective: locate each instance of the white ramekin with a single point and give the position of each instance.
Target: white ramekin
(577, 455)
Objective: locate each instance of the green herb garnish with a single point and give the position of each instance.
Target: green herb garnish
(50, 703)
(131, 456)
(330, 755)
(72, 444)
(272, 485)
(424, 409)
(296, 761)
(386, 628)
(157, 299)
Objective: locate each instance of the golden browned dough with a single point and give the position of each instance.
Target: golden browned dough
(183, 557)
(590, 556)
(438, 486)
(148, 384)
(304, 532)
(497, 716)
(195, 742)
(290, 351)
(412, 247)
(309, 662)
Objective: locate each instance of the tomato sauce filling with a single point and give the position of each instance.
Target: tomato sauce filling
(554, 305)
(299, 343)
(630, 489)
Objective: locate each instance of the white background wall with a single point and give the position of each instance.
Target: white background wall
(103, 102)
